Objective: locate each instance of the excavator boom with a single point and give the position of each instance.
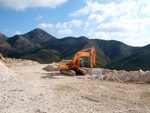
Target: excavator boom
(82, 53)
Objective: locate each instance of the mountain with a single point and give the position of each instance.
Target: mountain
(20, 42)
(137, 60)
(3, 41)
(5, 47)
(32, 39)
(38, 37)
(72, 39)
(115, 50)
(68, 51)
(42, 47)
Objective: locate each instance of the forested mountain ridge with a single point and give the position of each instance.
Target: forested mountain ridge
(40, 46)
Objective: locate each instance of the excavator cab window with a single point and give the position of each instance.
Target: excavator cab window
(81, 62)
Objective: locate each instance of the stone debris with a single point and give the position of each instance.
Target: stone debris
(5, 73)
(12, 62)
(94, 71)
(52, 67)
(124, 76)
(111, 75)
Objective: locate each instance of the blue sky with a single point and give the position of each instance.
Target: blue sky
(127, 21)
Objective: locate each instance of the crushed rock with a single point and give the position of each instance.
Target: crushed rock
(12, 62)
(52, 67)
(5, 73)
(123, 76)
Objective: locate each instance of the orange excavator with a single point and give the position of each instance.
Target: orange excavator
(76, 66)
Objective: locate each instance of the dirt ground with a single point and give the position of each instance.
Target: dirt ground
(35, 90)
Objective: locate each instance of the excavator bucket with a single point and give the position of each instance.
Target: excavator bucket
(95, 71)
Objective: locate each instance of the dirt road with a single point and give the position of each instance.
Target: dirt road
(36, 91)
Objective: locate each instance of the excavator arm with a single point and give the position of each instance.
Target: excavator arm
(92, 57)
(82, 53)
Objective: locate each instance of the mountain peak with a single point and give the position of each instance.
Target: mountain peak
(37, 30)
(38, 36)
(3, 37)
(83, 38)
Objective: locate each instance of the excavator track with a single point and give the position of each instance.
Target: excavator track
(73, 72)
(81, 71)
(68, 72)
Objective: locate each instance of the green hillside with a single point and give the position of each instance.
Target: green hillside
(20, 43)
(42, 55)
(115, 50)
(38, 37)
(40, 46)
(3, 41)
(68, 51)
(135, 61)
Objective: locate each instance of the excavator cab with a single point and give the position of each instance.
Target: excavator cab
(81, 62)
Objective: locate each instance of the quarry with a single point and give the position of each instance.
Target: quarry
(29, 87)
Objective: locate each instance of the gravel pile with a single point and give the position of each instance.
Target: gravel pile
(124, 76)
(5, 73)
(52, 67)
(12, 62)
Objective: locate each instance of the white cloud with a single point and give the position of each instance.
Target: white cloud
(39, 17)
(76, 23)
(137, 42)
(90, 7)
(43, 25)
(146, 8)
(5, 30)
(95, 18)
(73, 23)
(65, 25)
(93, 7)
(58, 25)
(82, 11)
(101, 35)
(130, 8)
(17, 33)
(122, 29)
(129, 38)
(65, 32)
(98, 12)
(64, 28)
(23, 4)
(134, 21)
(116, 27)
